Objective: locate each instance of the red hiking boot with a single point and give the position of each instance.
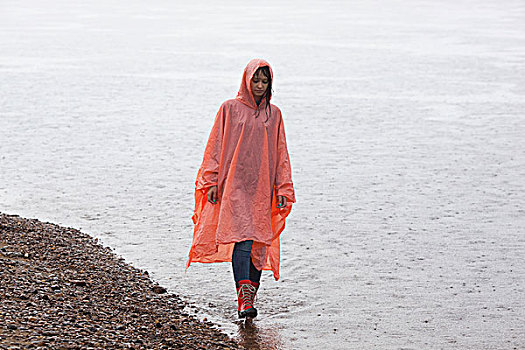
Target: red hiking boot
(245, 294)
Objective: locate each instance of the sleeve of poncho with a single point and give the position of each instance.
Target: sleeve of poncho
(209, 171)
(283, 175)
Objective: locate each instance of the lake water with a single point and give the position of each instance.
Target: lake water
(405, 123)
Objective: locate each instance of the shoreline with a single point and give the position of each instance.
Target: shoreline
(60, 288)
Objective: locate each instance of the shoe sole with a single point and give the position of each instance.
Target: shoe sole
(251, 312)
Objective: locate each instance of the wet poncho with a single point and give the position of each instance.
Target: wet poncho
(247, 158)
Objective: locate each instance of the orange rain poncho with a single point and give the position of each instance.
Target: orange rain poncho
(247, 158)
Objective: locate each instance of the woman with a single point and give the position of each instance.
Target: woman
(244, 188)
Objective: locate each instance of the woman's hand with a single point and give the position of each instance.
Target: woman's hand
(212, 195)
(281, 201)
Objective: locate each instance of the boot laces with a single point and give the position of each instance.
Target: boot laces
(246, 293)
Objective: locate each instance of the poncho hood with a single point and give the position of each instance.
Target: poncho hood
(245, 92)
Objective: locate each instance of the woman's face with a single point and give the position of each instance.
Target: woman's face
(259, 85)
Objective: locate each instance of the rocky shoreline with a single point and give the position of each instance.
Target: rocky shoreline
(61, 289)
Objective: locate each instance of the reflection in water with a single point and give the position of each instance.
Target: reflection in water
(253, 337)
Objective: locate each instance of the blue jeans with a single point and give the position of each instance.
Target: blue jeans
(243, 268)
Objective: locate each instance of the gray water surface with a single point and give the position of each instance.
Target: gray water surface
(405, 124)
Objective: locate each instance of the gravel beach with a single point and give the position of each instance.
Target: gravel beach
(61, 289)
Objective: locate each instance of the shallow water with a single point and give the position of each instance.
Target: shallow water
(405, 124)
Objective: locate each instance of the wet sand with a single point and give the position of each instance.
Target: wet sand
(60, 289)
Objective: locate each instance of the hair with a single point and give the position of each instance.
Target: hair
(265, 70)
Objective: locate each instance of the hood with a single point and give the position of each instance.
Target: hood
(245, 91)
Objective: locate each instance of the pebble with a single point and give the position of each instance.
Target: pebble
(159, 290)
(79, 283)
